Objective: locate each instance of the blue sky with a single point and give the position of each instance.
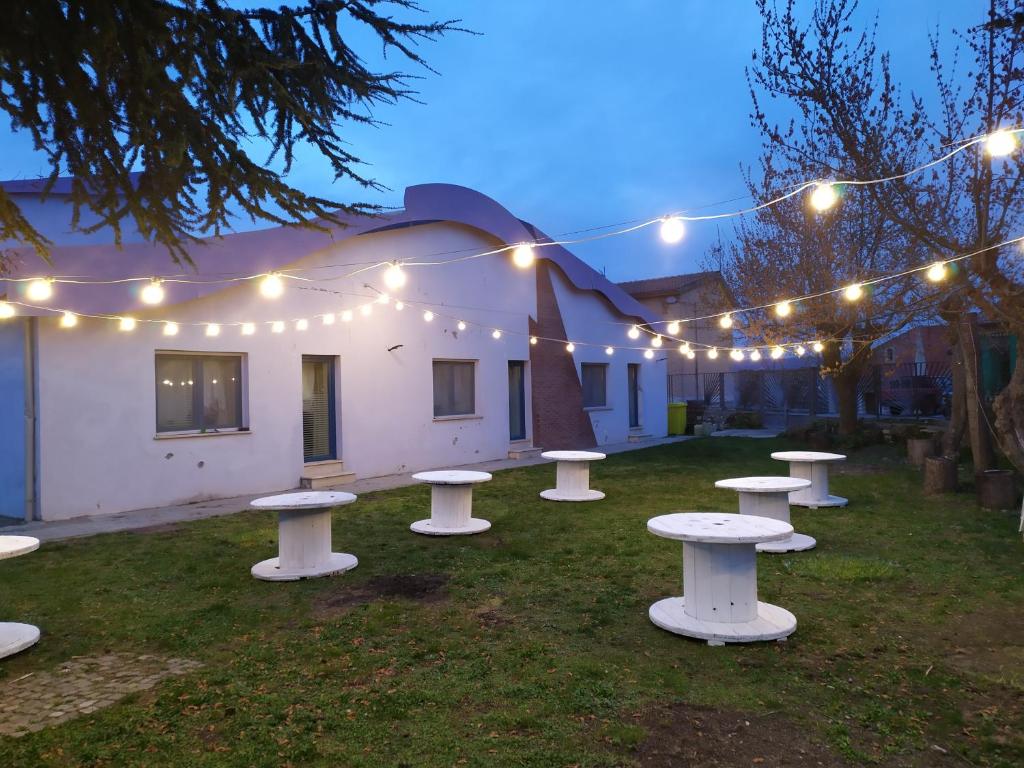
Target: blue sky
(576, 113)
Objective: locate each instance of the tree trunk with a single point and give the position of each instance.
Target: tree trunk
(978, 431)
(1009, 413)
(939, 475)
(846, 395)
(954, 435)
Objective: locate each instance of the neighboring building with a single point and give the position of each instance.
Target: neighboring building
(95, 420)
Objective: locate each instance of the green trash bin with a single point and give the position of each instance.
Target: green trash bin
(677, 418)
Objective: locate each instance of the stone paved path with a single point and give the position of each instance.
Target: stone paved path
(80, 686)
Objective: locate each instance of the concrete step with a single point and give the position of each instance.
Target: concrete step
(523, 451)
(325, 474)
(634, 438)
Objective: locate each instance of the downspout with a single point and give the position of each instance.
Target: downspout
(31, 421)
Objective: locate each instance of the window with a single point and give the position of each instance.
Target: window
(595, 392)
(454, 388)
(198, 393)
(890, 355)
(633, 372)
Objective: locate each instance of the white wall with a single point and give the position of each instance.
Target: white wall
(52, 218)
(590, 320)
(98, 446)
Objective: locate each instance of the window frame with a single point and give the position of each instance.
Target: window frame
(196, 358)
(475, 413)
(583, 386)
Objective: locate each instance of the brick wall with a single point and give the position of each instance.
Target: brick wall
(559, 421)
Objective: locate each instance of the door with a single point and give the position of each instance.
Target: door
(318, 430)
(634, 395)
(517, 399)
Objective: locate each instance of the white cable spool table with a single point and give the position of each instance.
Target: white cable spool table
(719, 602)
(769, 497)
(15, 637)
(304, 536)
(813, 466)
(451, 503)
(572, 476)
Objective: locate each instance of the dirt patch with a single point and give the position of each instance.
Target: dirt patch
(684, 736)
(422, 587)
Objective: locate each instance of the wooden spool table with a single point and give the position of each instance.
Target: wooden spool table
(304, 536)
(769, 497)
(813, 466)
(451, 503)
(15, 637)
(572, 476)
(719, 602)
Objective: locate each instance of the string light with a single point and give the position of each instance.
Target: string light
(68, 319)
(823, 197)
(461, 326)
(328, 319)
(634, 333)
(7, 310)
(673, 328)
(713, 353)
(533, 340)
(609, 351)
(817, 346)
(656, 342)
(277, 326)
(153, 292)
(755, 355)
(301, 324)
(783, 309)
(649, 354)
(40, 289)
(248, 329)
(212, 329)
(126, 324)
(937, 272)
(690, 354)
(366, 310)
(394, 277)
(495, 334)
(428, 315)
(1000, 143)
(399, 306)
(777, 352)
(736, 355)
(170, 328)
(672, 229)
(853, 292)
(570, 347)
(272, 286)
(523, 256)
(800, 350)
(383, 299)
(346, 316)
(684, 348)
(725, 321)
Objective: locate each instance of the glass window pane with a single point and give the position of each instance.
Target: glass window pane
(222, 388)
(594, 389)
(175, 394)
(454, 388)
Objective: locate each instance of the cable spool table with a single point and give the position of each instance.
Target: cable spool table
(813, 466)
(304, 536)
(451, 503)
(572, 476)
(15, 637)
(719, 602)
(769, 497)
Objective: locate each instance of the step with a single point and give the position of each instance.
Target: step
(638, 438)
(323, 468)
(523, 451)
(330, 481)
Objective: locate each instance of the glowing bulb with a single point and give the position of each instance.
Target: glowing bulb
(755, 355)
(777, 352)
(656, 342)
(673, 328)
(170, 329)
(937, 272)
(40, 289)
(212, 329)
(461, 326)
(1000, 143)
(712, 354)
(783, 309)
(800, 350)
(609, 351)
(6, 310)
(523, 256)
(817, 346)
(126, 324)
(649, 354)
(570, 347)
(346, 316)
(428, 315)
(495, 334)
(328, 319)
(365, 310)
(736, 355)
(248, 329)
(383, 299)
(690, 354)
(153, 293)
(301, 324)
(672, 229)
(68, 320)
(277, 326)
(399, 305)
(634, 333)
(684, 348)
(823, 197)
(533, 339)
(725, 321)
(853, 292)
(271, 286)
(394, 277)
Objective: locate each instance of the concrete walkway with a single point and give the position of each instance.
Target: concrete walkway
(76, 527)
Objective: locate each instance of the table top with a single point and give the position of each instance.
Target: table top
(764, 484)
(718, 528)
(808, 456)
(452, 477)
(573, 455)
(12, 546)
(304, 500)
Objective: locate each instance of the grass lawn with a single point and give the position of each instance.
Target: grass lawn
(530, 645)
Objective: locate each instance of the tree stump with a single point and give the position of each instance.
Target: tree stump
(996, 489)
(919, 449)
(939, 475)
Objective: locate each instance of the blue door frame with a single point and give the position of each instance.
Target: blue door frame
(328, 364)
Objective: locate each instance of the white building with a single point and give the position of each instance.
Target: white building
(99, 420)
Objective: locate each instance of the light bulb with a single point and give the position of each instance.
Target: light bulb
(937, 272)
(1000, 143)
(461, 326)
(68, 320)
(495, 334)
(690, 354)
(271, 286)
(170, 329)
(7, 310)
(383, 298)
(736, 355)
(777, 352)
(533, 339)
(346, 316)
(800, 350)
(634, 333)
(394, 277)
(302, 324)
(783, 309)
(399, 306)
(755, 355)
(153, 293)
(725, 321)
(366, 310)
(40, 289)
(672, 229)
(673, 328)
(328, 319)
(853, 292)
(126, 324)
(523, 256)
(428, 315)
(570, 347)
(277, 326)
(649, 354)
(817, 346)
(712, 354)
(823, 197)
(248, 329)
(609, 351)
(656, 342)
(684, 348)
(212, 329)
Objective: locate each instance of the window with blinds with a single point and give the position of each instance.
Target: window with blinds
(595, 384)
(454, 388)
(198, 393)
(318, 408)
